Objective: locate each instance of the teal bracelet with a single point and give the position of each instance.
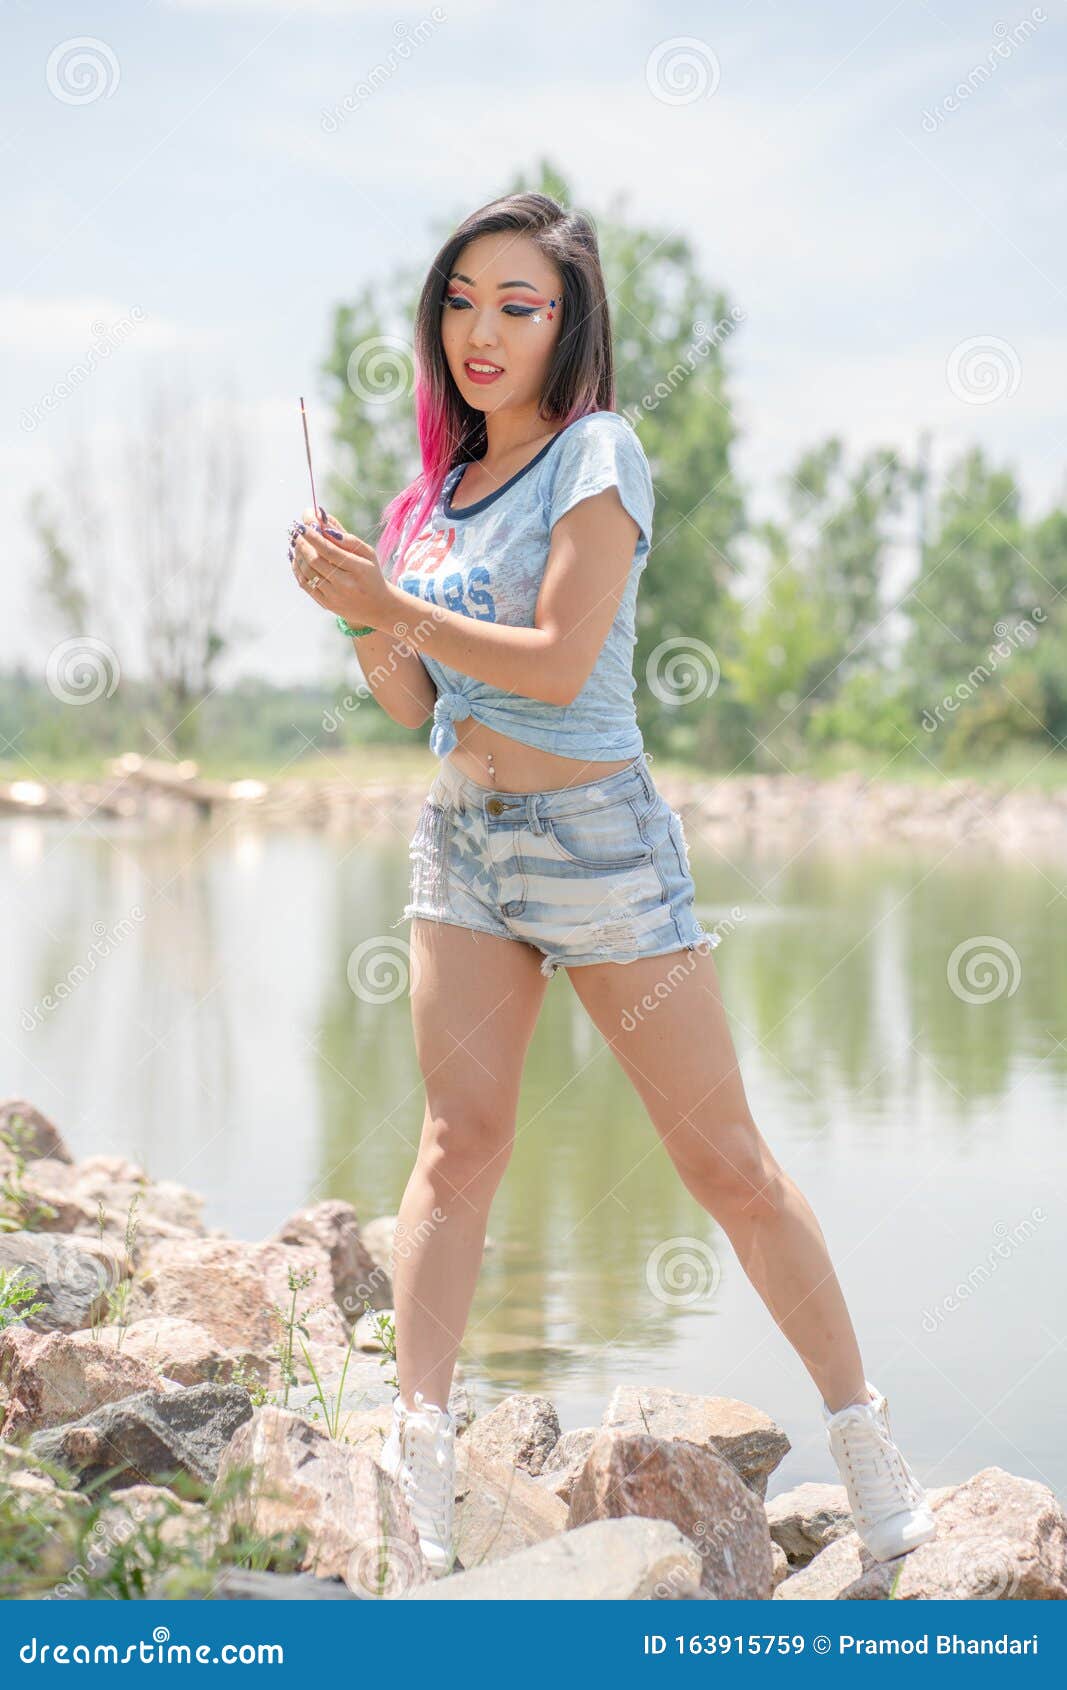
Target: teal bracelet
(346, 628)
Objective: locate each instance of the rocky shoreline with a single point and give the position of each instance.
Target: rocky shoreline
(188, 1414)
(788, 808)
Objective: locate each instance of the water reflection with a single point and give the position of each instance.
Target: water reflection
(217, 1038)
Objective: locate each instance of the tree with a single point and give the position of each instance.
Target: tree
(173, 517)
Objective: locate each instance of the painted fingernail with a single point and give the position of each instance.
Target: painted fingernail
(334, 533)
(290, 554)
(322, 513)
(300, 528)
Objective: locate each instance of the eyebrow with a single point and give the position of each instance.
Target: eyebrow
(458, 276)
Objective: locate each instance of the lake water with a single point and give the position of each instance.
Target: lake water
(221, 1043)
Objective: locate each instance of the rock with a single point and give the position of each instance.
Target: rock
(230, 1289)
(780, 1568)
(237, 1584)
(999, 1539)
(181, 1350)
(804, 1520)
(30, 1131)
(499, 1508)
(186, 1528)
(566, 1460)
(744, 1436)
(522, 1430)
(377, 1236)
(355, 1521)
(700, 1492)
(106, 1186)
(52, 1378)
(149, 1436)
(357, 1277)
(607, 1560)
(72, 1277)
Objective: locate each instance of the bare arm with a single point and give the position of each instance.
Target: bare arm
(590, 554)
(396, 676)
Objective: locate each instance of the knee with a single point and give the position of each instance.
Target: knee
(733, 1173)
(464, 1145)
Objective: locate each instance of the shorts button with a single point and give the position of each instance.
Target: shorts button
(494, 806)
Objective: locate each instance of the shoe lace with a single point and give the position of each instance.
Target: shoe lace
(426, 1471)
(883, 1479)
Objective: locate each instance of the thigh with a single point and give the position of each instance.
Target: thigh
(663, 1017)
(475, 999)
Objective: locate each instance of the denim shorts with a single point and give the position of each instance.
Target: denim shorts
(586, 874)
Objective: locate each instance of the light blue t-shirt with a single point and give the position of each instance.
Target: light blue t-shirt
(487, 561)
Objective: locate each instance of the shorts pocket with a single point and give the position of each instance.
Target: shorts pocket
(601, 839)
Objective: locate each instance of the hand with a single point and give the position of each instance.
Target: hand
(338, 570)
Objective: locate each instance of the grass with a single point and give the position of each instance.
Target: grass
(20, 1211)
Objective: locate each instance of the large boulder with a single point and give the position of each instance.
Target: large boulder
(999, 1538)
(357, 1278)
(179, 1350)
(672, 1479)
(808, 1517)
(114, 1192)
(31, 1132)
(233, 1290)
(499, 1508)
(52, 1378)
(566, 1459)
(605, 1561)
(72, 1277)
(522, 1430)
(744, 1436)
(349, 1512)
(149, 1437)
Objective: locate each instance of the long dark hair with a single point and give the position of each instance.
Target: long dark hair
(580, 378)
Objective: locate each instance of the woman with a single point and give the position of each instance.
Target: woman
(507, 611)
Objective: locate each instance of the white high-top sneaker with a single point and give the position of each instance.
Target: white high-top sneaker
(420, 1453)
(889, 1507)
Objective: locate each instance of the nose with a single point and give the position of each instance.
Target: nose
(482, 332)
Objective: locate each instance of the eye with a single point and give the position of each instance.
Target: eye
(520, 310)
(455, 300)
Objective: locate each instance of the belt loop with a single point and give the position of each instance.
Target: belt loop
(533, 818)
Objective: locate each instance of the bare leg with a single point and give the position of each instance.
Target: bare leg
(474, 1008)
(679, 1054)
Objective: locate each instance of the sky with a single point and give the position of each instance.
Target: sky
(191, 186)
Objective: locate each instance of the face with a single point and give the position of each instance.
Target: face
(503, 308)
